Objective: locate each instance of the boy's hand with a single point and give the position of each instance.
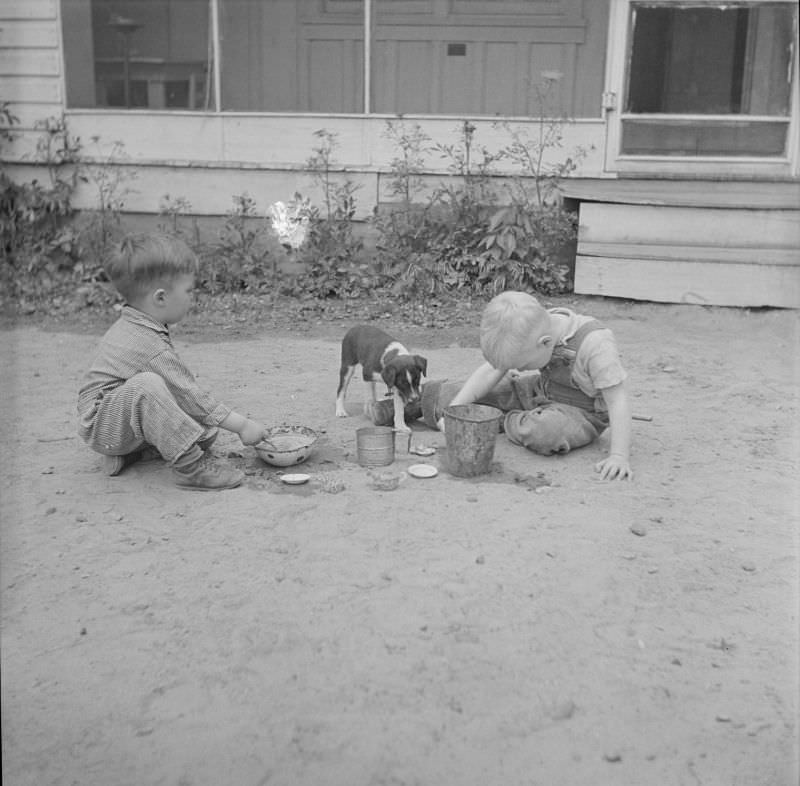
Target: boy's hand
(251, 433)
(615, 467)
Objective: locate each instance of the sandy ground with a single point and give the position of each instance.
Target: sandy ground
(510, 629)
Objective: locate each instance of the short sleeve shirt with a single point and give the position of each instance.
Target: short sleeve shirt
(597, 364)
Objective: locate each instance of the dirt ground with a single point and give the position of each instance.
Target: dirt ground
(511, 629)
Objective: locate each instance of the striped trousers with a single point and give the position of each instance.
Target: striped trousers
(142, 411)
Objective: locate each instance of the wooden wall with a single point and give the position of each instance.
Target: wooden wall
(210, 158)
(30, 60)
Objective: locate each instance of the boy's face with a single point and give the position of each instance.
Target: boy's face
(536, 354)
(176, 299)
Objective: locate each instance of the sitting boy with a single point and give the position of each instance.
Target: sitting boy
(576, 391)
(138, 394)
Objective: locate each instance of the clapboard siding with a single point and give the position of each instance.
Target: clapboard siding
(28, 9)
(756, 193)
(30, 66)
(633, 225)
(689, 281)
(23, 34)
(717, 256)
(30, 62)
(144, 187)
(32, 90)
(287, 141)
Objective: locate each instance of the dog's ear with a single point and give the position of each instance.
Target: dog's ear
(388, 375)
(422, 364)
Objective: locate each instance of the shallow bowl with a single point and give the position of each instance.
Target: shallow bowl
(286, 446)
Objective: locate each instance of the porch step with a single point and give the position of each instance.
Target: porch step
(681, 254)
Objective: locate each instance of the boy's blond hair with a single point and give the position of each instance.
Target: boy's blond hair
(142, 261)
(511, 323)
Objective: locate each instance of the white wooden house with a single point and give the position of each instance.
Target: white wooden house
(688, 112)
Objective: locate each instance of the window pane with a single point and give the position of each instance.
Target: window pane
(479, 57)
(137, 53)
(710, 138)
(292, 55)
(728, 59)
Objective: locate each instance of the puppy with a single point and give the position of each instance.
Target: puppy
(381, 359)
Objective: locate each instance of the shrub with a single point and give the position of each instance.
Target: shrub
(332, 252)
(240, 259)
(458, 238)
(40, 247)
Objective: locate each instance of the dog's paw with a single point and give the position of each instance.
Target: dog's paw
(404, 429)
(340, 413)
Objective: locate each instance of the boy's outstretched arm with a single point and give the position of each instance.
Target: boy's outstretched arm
(250, 432)
(480, 382)
(618, 465)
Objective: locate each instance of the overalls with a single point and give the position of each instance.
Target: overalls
(546, 412)
(563, 416)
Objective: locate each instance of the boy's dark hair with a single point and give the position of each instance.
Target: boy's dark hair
(142, 260)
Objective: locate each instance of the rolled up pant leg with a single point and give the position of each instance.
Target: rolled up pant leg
(143, 411)
(507, 395)
(553, 428)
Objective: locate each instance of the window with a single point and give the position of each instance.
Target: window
(709, 80)
(479, 57)
(137, 53)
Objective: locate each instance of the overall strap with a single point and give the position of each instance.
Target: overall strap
(557, 374)
(574, 341)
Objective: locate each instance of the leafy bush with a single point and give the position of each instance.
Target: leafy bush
(102, 228)
(458, 239)
(332, 252)
(240, 259)
(40, 246)
(523, 248)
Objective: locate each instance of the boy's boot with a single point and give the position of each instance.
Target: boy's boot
(196, 471)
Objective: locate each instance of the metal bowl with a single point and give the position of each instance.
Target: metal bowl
(286, 446)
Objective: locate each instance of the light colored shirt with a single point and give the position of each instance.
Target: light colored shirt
(597, 363)
(136, 343)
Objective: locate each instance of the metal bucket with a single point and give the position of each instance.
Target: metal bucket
(375, 446)
(470, 432)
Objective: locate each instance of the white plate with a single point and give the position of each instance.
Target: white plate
(295, 479)
(423, 450)
(423, 471)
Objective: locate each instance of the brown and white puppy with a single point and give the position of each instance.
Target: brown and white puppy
(381, 359)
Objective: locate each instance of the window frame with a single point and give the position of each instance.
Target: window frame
(620, 39)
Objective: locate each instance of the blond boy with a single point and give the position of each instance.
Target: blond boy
(138, 394)
(581, 386)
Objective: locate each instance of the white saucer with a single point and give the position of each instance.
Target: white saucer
(423, 471)
(423, 450)
(295, 479)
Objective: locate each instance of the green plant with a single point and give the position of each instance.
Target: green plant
(523, 248)
(173, 215)
(428, 247)
(7, 121)
(459, 238)
(529, 241)
(240, 259)
(332, 250)
(102, 227)
(40, 246)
